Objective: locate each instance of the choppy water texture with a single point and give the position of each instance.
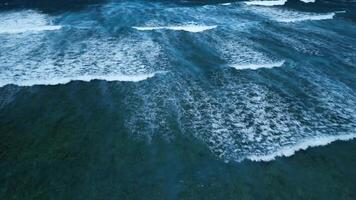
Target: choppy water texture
(245, 80)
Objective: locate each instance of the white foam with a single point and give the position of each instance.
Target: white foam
(188, 28)
(302, 145)
(257, 65)
(242, 54)
(25, 21)
(27, 61)
(266, 3)
(225, 4)
(236, 120)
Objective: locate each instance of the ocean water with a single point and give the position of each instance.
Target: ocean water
(177, 99)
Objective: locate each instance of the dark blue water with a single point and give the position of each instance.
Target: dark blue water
(136, 90)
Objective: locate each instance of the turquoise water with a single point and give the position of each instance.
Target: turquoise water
(177, 100)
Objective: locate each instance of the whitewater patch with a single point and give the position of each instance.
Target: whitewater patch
(188, 28)
(242, 54)
(237, 120)
(257, 65)
(36, 61)
(25, 21)
(266, 3)
(302, 145)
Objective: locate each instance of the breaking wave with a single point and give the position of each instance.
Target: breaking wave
(188, 28)
(302, 145)
(86, 78)
(307, 18)
(257, 65)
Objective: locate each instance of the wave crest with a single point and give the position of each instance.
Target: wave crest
(255, 66)
(302, 145)
(87, 78)
(308, 18)
(266, 3)
(188, 28)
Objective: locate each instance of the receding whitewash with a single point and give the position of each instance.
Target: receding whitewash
(188, 28)
(25, 21)
(266, 3)
(302, 145)
(255, 66)
(85, 78)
